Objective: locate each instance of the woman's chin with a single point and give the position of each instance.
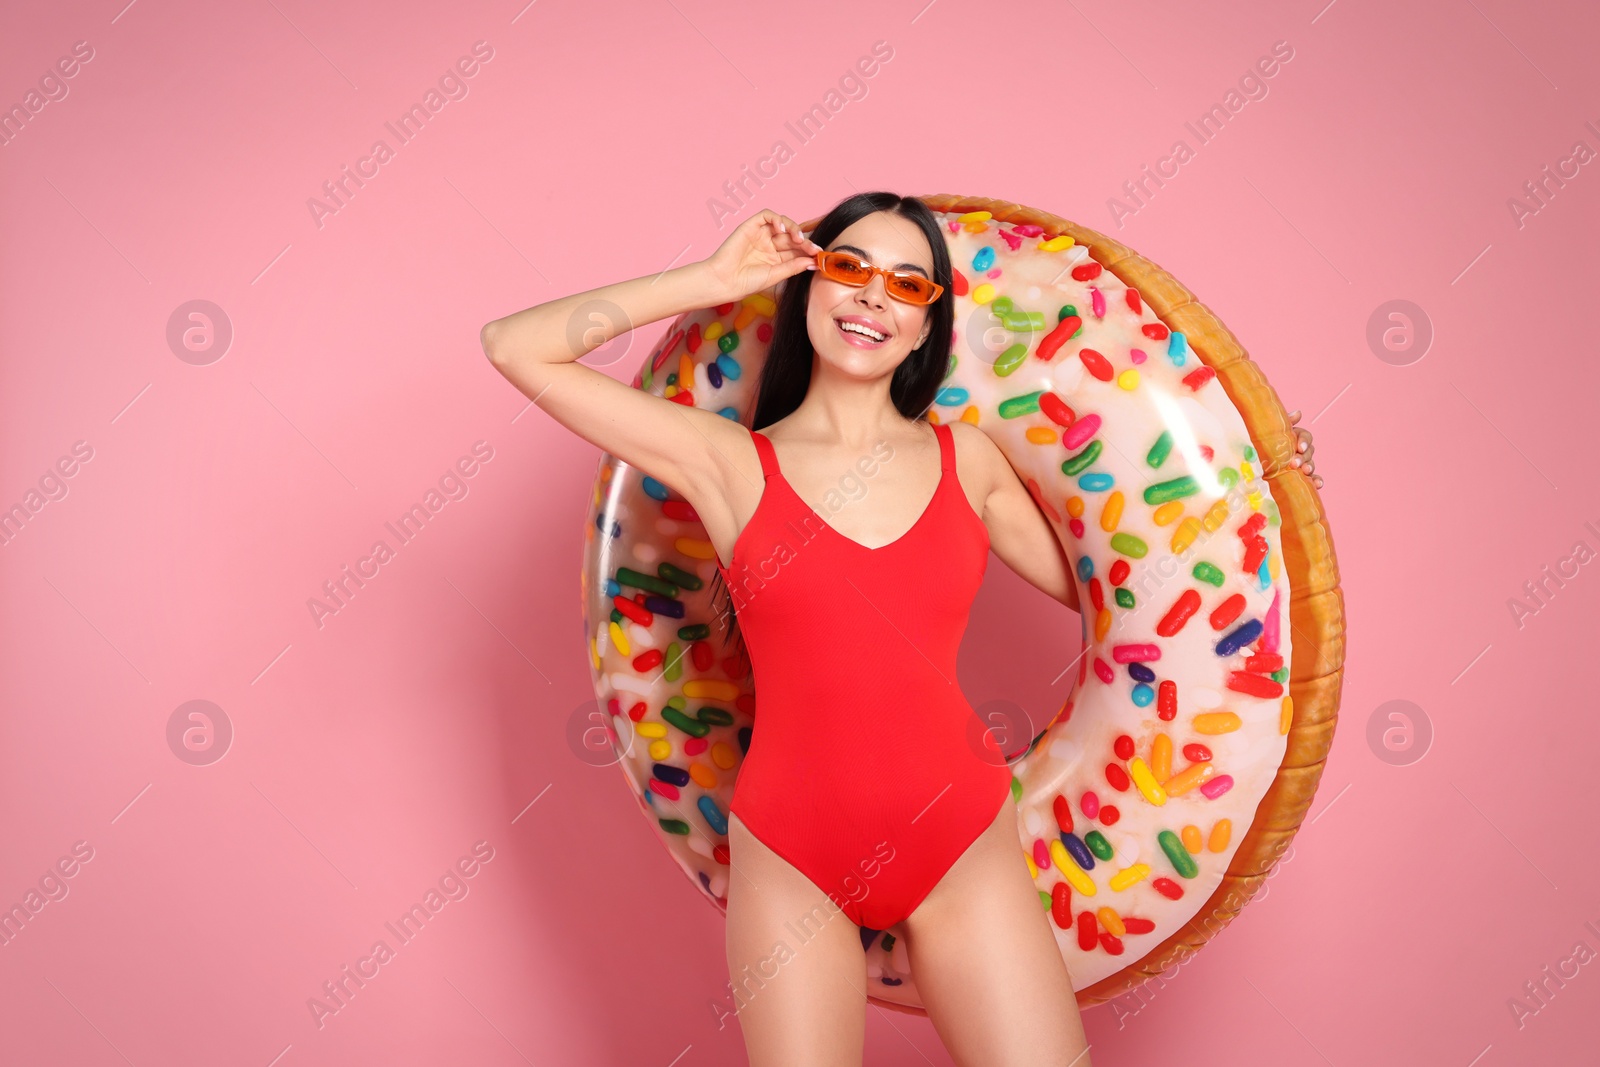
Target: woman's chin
(862, 363)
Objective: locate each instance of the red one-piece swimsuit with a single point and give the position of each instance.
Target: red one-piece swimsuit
(868, 770)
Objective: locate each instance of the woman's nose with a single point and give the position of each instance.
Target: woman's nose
(876, 291)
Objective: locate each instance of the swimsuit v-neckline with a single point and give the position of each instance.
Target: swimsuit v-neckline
(927, 509)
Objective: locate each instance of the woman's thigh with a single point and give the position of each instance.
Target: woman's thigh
(799, 973)
(987, 965)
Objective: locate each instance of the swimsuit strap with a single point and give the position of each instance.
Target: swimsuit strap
(769, 458)
(947, 447)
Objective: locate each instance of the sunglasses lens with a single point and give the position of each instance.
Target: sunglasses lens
(911, 288)
(845, 268)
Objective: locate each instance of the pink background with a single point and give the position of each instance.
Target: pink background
(369, 754)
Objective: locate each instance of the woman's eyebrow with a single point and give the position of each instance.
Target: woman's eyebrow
(863, 254)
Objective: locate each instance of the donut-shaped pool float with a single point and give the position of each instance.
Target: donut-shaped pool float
(1157, 799)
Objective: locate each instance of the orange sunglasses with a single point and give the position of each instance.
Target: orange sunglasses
(904, 286)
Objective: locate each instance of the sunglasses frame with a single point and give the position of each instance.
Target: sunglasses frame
(889, 276)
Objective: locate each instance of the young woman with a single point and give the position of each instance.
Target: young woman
(853, 629)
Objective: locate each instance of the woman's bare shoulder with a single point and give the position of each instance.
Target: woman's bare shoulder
(975, 449)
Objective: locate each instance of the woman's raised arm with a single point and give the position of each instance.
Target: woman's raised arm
(684, 448)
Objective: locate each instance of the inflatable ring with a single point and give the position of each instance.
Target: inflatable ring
(1159, 796)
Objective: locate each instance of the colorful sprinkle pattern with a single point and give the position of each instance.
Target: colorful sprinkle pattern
(1130, 801)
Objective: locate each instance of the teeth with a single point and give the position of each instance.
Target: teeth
(856, 327)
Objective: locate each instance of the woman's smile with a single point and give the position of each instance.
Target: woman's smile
(861, 331)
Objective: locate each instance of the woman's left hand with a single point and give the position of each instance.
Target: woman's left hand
(1304, 450)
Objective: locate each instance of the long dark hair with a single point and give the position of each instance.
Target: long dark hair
(786, 375)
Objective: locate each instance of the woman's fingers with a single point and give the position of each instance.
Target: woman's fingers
(777, 229)
(1301, 457)
(801, 241)
(784, 233)
(807, 243)
(792, 232)
(1304, 450)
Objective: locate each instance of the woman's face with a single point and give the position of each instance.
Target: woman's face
(882, 239)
